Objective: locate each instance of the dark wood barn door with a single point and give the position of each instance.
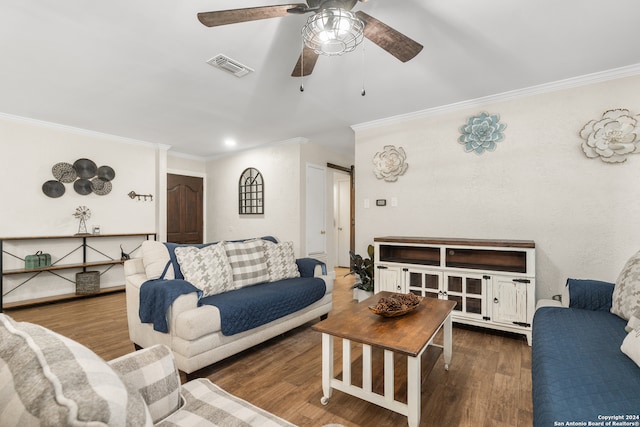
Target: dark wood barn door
(184, 209)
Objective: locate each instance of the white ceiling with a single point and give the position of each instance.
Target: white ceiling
(136, 68)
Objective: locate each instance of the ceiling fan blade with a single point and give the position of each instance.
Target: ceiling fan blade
(394, 42)
(310, 58)
(233, 16)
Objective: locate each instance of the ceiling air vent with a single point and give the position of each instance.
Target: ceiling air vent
(229, 65)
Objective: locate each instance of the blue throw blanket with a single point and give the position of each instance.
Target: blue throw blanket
(156, 296)
(307, 266)
(240, 309)
(253, 306)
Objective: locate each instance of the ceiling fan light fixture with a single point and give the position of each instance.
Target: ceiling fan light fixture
(333, 31)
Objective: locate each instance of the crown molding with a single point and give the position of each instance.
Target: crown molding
(83, 132)
(587, 79)
(187, 156)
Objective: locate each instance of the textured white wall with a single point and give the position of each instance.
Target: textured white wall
(28, 150)
(279, 166)
(179, 163)
(537, 185)
(283, 168)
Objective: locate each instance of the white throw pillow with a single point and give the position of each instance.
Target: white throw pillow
(634, 320)
(207, 269)
(631, 346)
(248, 262)
(281, 260)
(155, 257)
(626, 293)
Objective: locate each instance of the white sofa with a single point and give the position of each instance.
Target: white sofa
(194, 332)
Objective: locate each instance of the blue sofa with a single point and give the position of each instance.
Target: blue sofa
(579, 373)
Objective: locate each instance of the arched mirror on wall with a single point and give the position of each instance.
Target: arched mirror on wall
(251, 192)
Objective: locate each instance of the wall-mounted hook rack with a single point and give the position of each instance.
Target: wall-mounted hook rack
(133, 195)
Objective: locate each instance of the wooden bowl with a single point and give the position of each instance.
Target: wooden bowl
(386, 313)
(396, 313)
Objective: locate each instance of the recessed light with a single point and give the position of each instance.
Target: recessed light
(229, 142)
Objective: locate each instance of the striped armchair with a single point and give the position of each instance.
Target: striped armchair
(50, 380)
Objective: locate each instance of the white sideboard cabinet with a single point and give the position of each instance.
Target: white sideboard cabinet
(491, 281)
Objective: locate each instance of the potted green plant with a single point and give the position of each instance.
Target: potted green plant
(362, 269)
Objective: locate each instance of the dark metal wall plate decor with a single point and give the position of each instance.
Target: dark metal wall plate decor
(251, 192)
(53, 188)
(85, 176)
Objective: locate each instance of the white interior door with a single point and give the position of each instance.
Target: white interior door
(343, 222)
(316, 211)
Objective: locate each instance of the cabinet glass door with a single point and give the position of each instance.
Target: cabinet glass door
(468, 291)
(423, 282)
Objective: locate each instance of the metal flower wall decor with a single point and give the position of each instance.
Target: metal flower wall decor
(612, 137)
(481, 133)
(390, 163)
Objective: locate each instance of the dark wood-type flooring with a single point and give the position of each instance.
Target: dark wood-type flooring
(488, 383)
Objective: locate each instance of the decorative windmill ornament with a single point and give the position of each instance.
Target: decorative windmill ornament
(83, 213)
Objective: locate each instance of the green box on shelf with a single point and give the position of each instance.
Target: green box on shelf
(38, 260)
(87, 282)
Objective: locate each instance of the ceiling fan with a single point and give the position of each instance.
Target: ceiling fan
(389, 39)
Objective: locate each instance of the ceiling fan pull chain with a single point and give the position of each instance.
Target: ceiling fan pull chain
(364, 92)
(302, 67)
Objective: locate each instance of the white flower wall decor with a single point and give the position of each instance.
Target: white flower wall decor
(481, 133)
(390, 163)
(612, 137)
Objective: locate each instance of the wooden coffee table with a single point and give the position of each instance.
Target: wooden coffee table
(408, 335)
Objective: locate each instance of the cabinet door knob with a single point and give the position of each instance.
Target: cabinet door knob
(495, 301)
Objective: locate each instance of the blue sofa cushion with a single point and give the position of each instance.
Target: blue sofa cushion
(590, 294)
(252, 306)
(578, 369)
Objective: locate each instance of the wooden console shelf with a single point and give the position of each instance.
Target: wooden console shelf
(492, 281)
(59, 298)
(61, 267)
(108, 262)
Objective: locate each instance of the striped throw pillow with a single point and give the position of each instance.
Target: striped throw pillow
(152, 371)
(47, 379)
(248, 262)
